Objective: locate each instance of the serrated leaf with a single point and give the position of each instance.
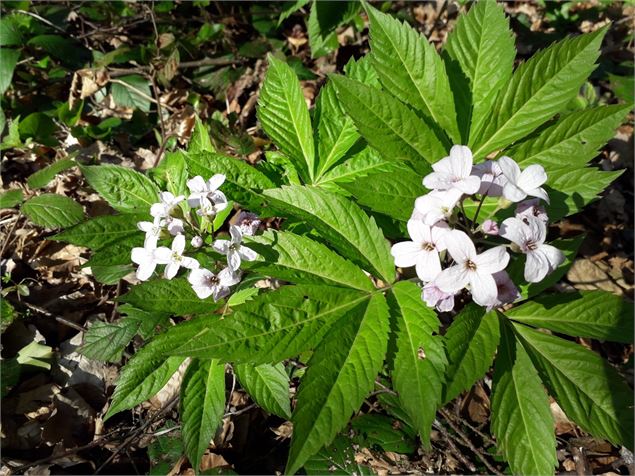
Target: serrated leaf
(11, 198)
(392, 192)
(587, 388)
(521, 417)
(199, 140)
(105, 341)
(267, 385)
(268, 329)
(482, 45)
(101, 231)
(388, 125)
(148, 321)
(470, 343)
(300, 259)
(572, 141)
(172, 172)
(7, 314)
(202, 406)
(419, 364)
(341, 222)
(594, 314)
(243, 182)
(364, 163)
(340, 373)
(134, 94)
(141, 378)
(337, 459)
(126, 190)
(285, 118)
(362, 70)
(171, 296)
(53, 211)
(376, 430)
(42, 177)
(539, 89)
(410, 69)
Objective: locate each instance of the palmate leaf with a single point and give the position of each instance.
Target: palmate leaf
(365, 162)
(595, 314)
(268, 329)
(101, 231)
(339, 221)
(388, 125)
(285, 118)
(420, 362)
(470, 344)
(268, 386)
(340, 373)
(482, 45)
(410, 69)
(300, 259)
(126, 190)
(521, 417)
(588, 389)
(538, 90)
(202, 406)
(572, 141)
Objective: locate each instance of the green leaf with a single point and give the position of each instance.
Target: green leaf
(336, 459)
(388, 125)
(11, 198)
(323, 21)
(268, 386)
(482, 45)
(572, 141)
(391, 192)
(199, 140)
(410, 68)
(289, 8)
(42, 177)
(594, 314)
(362, 70)
(172, 172)
(341, 222)
(68, 51)
(300, 259)
(375, 430)
(53, 211)
(589, 389)
(539, 89)
(420, 362)
(172, 296)
(340, 374)
(126, 190)
(101, 231)
(148, 321)
(521, 417)
(39, 127)
(105, 341)
(243, 182)
(10, 34)
(7, 65)
(284, 116)
(134, 93)
(142, 378)
(470, 344)
(202, 406)
(268, 329)
(7, 314)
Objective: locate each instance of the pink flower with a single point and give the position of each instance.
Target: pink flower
(490, 227)
(520, 184)
(434, 297)
(454, 172)
(423, 251)
(471, 269)
(492, 178)
(529, 234)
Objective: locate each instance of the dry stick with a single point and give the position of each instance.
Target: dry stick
(139, 92)
(468, 464)
(470, 445)
(6, 241)
(138, 431)
(486, 438)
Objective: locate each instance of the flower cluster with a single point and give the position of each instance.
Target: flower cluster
(174, 217)
(450, 252)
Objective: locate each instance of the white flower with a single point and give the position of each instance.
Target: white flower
(471, 268)
(454, 172)
(152, 230)
(437, 205)
(533, 208)
(175, 226)
(206, 284)
(529, 234)
(434, 297)
(490, 227)
(201, 190)
(507, 290)
(492, 178)
(233, 249)
(164, 208)
(520, 184)
(174, 258)
(145, 258)
(423, 250)
(248, 223)
(197, 241)
(209, 207)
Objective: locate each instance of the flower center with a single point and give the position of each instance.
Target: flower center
(427, 246)
(234, 246)
(530, 246)
(213, 281)
(471, 265)
(176, 257)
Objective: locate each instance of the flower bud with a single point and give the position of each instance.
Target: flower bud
(197, 241)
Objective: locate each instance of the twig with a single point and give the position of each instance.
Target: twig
(157, 158)
(486, 438)
(241, 411)
(43, 20)
(70, 324)
(7, 238)
(468, 464)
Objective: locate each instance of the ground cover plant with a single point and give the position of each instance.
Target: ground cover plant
(395, 243)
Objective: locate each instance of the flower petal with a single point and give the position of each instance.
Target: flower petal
(468, 185)
(553, 256)
(452, 279)
(460, 246)
(236, 234)
(199, 277)
(509, 168)
(227, 277)
(145, 226)
(437, 181)
(163, 255)
(536, 230)
(215, 182)
(532, 177)
(189, 263)
(203, 292)
(405, 253)
(461, 160)
(178, 244)
(157, 210)
(437, 234)
(247, 253)
(233, 259)
(197, 185)
(536, 266)
(171, 269)
(483, 288)
(145, 270)
(492, 260)
(540, 193)
(512, 193)
(419, 232)
(221, 246)
(141, 255)
(514, 230)
(428, 265)
(220, 292)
